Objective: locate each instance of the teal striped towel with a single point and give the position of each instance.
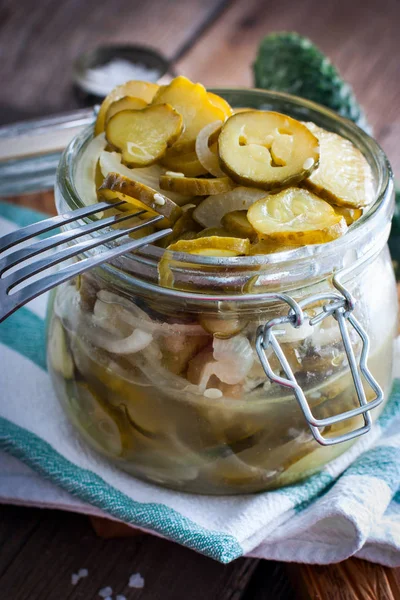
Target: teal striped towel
(351, 508)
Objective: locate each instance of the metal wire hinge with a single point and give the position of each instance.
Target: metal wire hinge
(339, 305)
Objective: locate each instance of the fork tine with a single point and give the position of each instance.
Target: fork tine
(25, 233)
(60, 238)
(36, 267)
(36, 288)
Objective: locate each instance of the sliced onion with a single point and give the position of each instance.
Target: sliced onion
(288, 333)
(208, 159)
(67, 307)
(210, 212)
(110, 162)
(234, 358)
(105, 316)
(326, 333)
(137, 341)
(121, 308)
(85, 176)
(230, 361)
(110, 340)
(86, 353)
(162, 378)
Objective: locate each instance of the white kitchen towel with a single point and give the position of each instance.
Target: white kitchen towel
(351, 508)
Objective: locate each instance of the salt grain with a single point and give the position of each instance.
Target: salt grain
(213, 393)
(83, 572)
(158, 199)
(308, 163)
(105, 592)
(74, 578)
(136, 581)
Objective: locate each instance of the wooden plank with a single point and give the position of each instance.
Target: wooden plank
(360, 37)
(270, 580)
(351, 579)
(65, 543)
(40, 41)
(16, 527)
(108, 530)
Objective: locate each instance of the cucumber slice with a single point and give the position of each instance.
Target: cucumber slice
(143, 136)
(296, 217)
(343, 177)
(267, 150)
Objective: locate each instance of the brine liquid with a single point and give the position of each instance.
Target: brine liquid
(228, 445)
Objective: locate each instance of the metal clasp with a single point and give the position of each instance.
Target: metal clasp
(340, 306)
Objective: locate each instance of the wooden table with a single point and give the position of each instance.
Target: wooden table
(215, 42)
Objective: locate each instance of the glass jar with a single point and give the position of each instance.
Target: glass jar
(168, 383)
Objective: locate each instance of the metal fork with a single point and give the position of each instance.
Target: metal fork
(11, 299)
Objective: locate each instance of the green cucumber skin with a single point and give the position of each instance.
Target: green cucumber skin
(289, 62)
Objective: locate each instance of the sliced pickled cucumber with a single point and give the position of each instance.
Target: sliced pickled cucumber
(296, 216)
(240, 475)
(185, 224)
(188, 164)
(350, 214)
(237, 223)
(125, 103)
(222, 327)
(218, 231)
(142, 136)
(267, 246)
(122, 391)
(187, 235)
(220, 103)
(306, 462)
(139, 195)
(196, 186)
(138, 89)
(343, 177)
(100, 423)
(110, 162)
(192, 102)
(267, 150)
(213, 246)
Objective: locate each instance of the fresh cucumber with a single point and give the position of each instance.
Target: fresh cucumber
(289, 62)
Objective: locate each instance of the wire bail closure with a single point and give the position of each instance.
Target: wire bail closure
(340, 306)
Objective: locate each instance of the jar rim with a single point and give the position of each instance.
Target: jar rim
(368, 233)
